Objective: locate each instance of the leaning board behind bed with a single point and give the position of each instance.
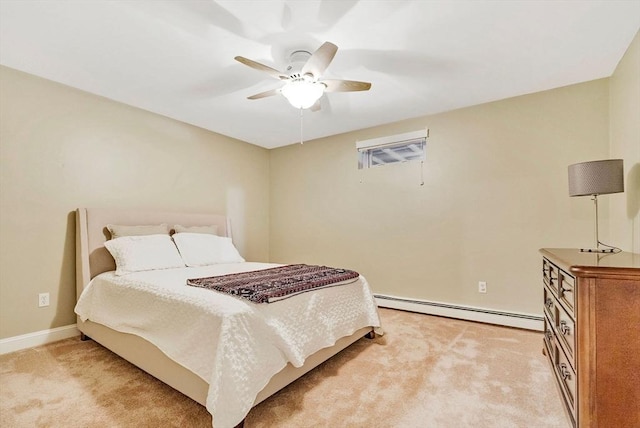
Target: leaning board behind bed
(92, 258)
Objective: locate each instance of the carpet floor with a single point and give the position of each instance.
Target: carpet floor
(424, 372)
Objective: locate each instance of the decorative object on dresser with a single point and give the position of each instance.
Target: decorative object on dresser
(597, 178)
(592, 334)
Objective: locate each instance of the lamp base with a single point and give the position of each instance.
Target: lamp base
(597, 250)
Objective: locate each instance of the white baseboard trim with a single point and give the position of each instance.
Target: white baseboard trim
(470, 313)
(29, 340)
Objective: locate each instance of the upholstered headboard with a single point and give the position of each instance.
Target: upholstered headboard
(92, 258)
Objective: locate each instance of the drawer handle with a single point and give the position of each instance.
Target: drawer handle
(549, 303)
(564, 289)
(551, 281)
(548, 334)
(564, 372)
(564, 328)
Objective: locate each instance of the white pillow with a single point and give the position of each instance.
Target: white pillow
(213, 230)
(118, 231)
(199, 249)
(140, 253)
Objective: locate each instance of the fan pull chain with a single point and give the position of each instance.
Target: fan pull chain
(301, 123)
(422, 173)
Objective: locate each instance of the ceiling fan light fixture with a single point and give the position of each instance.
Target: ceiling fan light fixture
(301, 93)
(302, 86)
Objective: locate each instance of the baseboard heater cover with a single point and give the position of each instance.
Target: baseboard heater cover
(470, 313)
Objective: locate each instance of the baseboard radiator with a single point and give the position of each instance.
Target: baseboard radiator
(470, 313)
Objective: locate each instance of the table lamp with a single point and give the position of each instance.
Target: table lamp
(596, 178)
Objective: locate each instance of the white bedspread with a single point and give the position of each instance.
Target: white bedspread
(234, 345)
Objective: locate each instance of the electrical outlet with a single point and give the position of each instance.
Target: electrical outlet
(43, 300)
(482, 287)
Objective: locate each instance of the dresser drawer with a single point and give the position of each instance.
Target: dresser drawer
(566, 290)
(548, 335)
(550, 275)
(565, 329)
(546, 270)
(563, 374)
(550, 305)
(567, 379)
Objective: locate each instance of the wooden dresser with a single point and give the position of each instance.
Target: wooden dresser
(592, 334)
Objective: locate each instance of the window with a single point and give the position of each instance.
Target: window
(392, 149)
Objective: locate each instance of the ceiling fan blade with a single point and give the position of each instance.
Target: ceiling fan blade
(264, 94)
(261, 67)
(334, 85)
(320, 60)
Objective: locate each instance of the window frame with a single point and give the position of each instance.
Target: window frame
(392, 147)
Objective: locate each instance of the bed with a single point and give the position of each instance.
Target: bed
(264, 352)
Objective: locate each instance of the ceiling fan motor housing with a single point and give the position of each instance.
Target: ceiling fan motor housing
(297, 60)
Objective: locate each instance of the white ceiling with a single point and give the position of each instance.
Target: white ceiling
(175, 58)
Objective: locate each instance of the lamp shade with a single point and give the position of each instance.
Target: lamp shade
(596, 177)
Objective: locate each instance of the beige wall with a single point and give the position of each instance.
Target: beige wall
(625, 144)
(61, 148)
(495, 191)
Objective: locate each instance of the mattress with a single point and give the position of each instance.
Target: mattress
(234, 345)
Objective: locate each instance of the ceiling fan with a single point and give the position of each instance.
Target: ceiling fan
(304, 85)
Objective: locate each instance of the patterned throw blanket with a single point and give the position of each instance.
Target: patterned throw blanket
(270, 285)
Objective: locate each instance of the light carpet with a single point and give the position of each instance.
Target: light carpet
(424, 372)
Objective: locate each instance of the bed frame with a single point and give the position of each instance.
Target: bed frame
(92, 258)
